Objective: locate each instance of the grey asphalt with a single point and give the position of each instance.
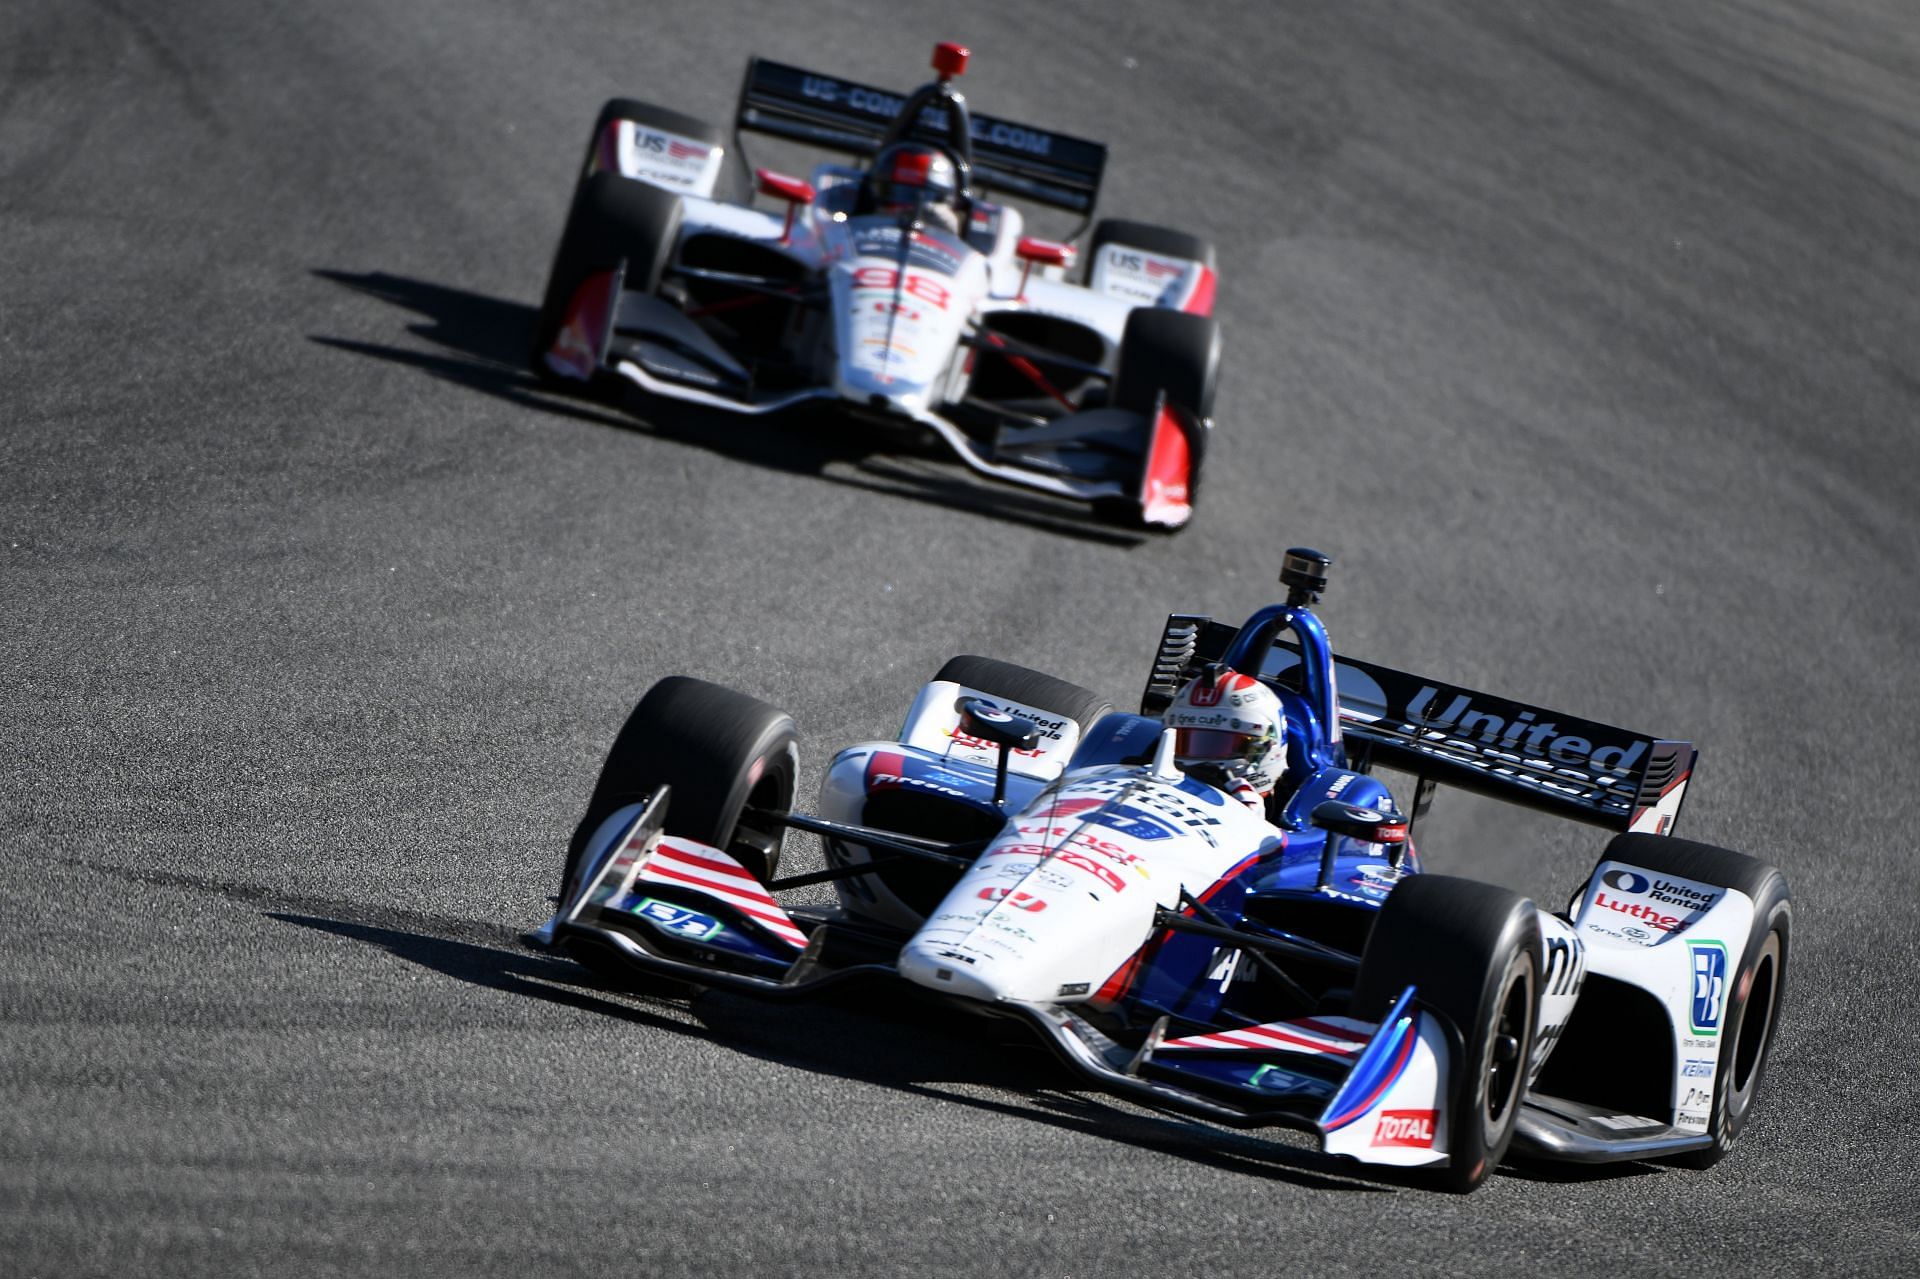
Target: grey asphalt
(1582, 334)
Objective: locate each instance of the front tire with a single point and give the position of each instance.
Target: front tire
(1470, 950)
(1174, 355)
(612, 220)
(721, 753)
(996, 678)
(1752, 1003)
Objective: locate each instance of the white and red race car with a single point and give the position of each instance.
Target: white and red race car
(894, 287)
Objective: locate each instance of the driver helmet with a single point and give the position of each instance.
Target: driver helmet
(1230, 725)
(911, 177)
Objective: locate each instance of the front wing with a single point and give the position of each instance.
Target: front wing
(670, 907)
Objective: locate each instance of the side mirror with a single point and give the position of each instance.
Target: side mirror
(1369, 825)
(1044, 252)
(779, 185)
(791, 189)
(980, 718)
(1034, 251)
(987, 722)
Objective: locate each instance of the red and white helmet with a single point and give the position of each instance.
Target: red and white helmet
(910, 175)
(1230, 724)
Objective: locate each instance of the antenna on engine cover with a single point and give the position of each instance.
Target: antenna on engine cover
(1303, 571)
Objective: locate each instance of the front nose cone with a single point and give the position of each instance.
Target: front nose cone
(948, 970)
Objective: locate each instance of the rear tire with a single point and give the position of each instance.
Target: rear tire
(719, 751)
(1471, 951)
(1028, 687)
(1753, 999)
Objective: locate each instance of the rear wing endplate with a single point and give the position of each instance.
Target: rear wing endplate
(1454, 736)
(840, 115)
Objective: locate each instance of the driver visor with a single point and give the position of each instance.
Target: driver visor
(1211, 743)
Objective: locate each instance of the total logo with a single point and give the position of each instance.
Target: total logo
(1405, 1128)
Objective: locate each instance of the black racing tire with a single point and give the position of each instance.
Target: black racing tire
(719, 751)
(1752, 1008)
(1154, 239)
(1028, 687)
(1169, 351)
(1174, 352)
(1471, 951)
(612, 219)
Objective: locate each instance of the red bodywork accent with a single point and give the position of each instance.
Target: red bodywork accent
(885, 764)
(1166, 497)
(1201, 303)
(583, 334)
(1046, 252)
(1029, 370)
(606, 150)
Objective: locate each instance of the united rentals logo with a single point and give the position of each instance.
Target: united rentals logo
(1520, 733)
(1659, 903)
(1683, 893)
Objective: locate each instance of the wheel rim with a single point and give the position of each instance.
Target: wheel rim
(1756, 1024)
(756, 840)
(1506, 1066)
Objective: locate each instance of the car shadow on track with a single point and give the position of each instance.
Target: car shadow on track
(484, 343)
(913, 1047)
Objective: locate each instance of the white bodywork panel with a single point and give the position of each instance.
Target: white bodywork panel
(933, 724)
(1060, 900)
(1683, 942)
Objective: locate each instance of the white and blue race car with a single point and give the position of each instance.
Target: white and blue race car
(1023, 850)
(901, 288)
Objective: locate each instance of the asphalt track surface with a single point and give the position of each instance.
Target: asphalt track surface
(1583, 335)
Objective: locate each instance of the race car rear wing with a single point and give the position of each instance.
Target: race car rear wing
(1049, 168)
(1454, 736)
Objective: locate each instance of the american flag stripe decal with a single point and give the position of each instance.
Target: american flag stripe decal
(1329, 1036)
(719, 876)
